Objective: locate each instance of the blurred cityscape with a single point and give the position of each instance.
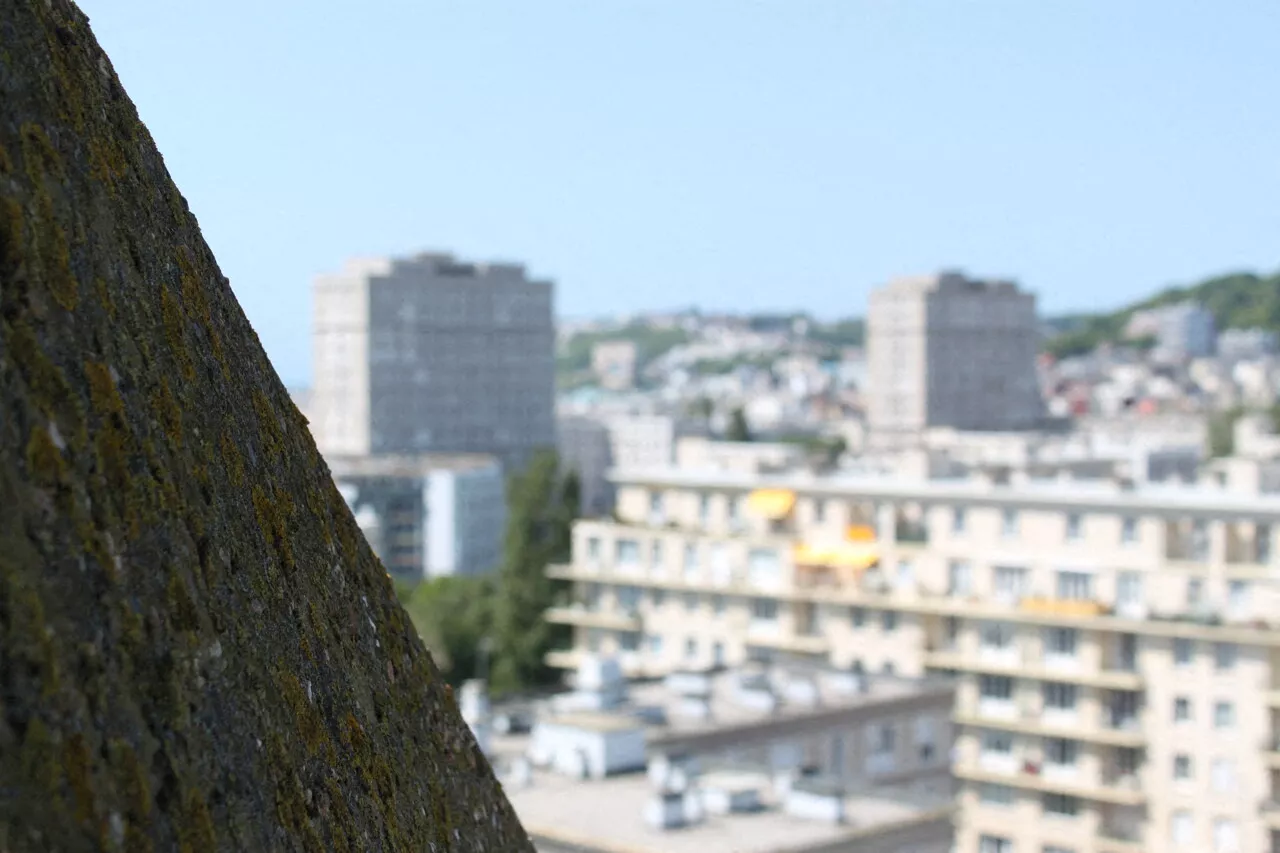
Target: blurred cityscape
(952, 575)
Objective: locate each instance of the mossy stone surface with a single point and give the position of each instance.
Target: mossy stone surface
(198, 651)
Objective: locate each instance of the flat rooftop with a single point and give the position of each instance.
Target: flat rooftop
(1100, 495)
(731, 719)
(608, 816)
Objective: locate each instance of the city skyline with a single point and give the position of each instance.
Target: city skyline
(642, 164)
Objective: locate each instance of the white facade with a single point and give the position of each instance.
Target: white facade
(466, 517)
(427, 515)
(427, 354)
(944, 350)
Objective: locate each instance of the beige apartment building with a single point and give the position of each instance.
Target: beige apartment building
(1115, 648)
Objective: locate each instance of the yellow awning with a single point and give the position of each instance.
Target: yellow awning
(843, 556)
(1062, 607)
(860, 533)
(771, 503)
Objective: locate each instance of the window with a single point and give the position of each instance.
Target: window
(735, 510)
(1009, 523)
(889, 621)
(1222, 775)
(997, 795)
(655, 507)
(997, 743)
(764, 569)
(1224, 715)
(1226, 836)
(690, 560)
(960, 578)
(690, 648)
(1181, 828)
(691, 602)
(593, 549)
(819, 512)
(1053, 848)
(659, 598)
(704, 509)
(957, 520)
(885, 739)
(1181, 709)
(717, 653)
(1073, 526)
(996, 635)
(995, 687)
(994, 844)
(629, 641)
(1224, 656)
(1059, 696)
(906, 575)
(1075, 586)
(1060, 642)
(1129, 530)
(1010, 583)
(1128, 590)
(717, 604)
(1061, 805)
(655, 645)
(1195, 592)
(887, 668)
(858, 616)
(627, 551)
(1237, 597)
(1061, 751)
(1262, 543)
(655, 554)
(764, 609)
(1182, 766)
(628, 599)
(1184, 651)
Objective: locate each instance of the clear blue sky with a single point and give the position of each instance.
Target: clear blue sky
(725, 153)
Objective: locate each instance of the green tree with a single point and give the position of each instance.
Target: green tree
(1222, 438)
(541, 507)
(452, 615)
(702, 408)
(738, 429)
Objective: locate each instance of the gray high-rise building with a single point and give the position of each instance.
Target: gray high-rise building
(430, 354)
(947, 351)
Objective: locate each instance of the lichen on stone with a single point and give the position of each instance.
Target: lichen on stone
(198, 650)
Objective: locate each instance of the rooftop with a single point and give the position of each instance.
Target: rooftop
(607, 815)
(565, 814)
(1086, 494)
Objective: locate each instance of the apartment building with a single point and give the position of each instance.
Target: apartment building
(429, 354)
(1115, 648)
(947, 351)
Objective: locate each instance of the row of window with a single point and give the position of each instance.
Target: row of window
(1009, 583)
(1063, 643)
(1226, 831)
(1060, 696)
(1196, 536)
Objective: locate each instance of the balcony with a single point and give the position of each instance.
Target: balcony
(1031, 777)
(1271, 813)
(974, 663)
(1120, 839)
(1063, 607)
(1043, 725)
(614, 620)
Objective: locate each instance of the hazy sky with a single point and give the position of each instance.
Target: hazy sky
(728, 153)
